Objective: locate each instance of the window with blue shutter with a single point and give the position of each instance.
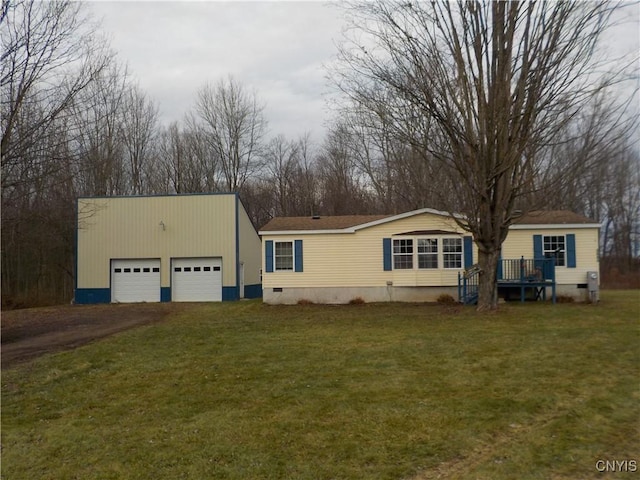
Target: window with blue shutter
(386, 254)
(298, 255)
(571, 250)
(268, 255)
(537, 247)
(468, 251)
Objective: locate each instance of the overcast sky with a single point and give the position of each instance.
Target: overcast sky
(277, 48)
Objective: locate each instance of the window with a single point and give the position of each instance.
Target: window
(216, 269)
(196, 269)
(403, 254)
(452, 252)
(427, 253)
(177, 269)
(136, 270)
(118, 270)
(283, 256)
(206, 269)
(127, 270)
(156, 269)
(554, 246)
(146, 270)
(187, 269)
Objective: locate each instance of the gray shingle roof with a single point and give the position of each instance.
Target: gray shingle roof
(556, 217)
(281, 224)
(321, 223)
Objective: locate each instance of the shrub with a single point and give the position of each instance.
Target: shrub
(564, 299)
(446, 299)
(304, 301)
(357, 301)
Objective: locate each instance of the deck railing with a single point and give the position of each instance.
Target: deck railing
(468, 282)
(527, 269)
(521, 272)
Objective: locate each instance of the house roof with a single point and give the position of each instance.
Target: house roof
(350, 223)
(554, 217)
(319, 222)
(339, 224)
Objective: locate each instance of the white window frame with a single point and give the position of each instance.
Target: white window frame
(428, 253)
(550, 249)
(458, 254)
(397, 251)
(402, 253)
(277, 257)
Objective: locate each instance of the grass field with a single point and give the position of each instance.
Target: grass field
(248, 391)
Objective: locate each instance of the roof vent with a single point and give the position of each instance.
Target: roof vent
(316, 217)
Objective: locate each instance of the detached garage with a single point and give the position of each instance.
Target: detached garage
(181, 248)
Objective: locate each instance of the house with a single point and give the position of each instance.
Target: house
(412, 256)
(163, 248)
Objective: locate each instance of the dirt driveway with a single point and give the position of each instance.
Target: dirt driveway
(32, 332)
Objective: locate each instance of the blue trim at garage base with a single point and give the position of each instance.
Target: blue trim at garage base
(92, 295)
(85, 296)
(229, 293)
(165, 294)
(253, 291)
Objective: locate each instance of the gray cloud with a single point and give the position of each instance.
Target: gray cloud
(276, 48)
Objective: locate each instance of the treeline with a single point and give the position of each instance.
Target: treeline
(75, 124)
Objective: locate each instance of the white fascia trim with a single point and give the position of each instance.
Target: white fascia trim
(542, 226)
(301, 232)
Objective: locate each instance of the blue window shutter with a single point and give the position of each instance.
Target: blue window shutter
(468, 251)
(268, 255)
(499, 273)
(571, 250)
(537, 247)
(298, 259)
(386, 254)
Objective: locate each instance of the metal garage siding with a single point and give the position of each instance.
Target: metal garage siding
(250, 248)
(129, 227)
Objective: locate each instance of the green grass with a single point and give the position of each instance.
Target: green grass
(248, 391)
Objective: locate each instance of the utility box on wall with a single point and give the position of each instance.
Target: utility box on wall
(593, 286)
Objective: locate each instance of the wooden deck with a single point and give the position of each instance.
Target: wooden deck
(514, 276)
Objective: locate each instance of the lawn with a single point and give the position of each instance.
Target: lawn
(242, 390)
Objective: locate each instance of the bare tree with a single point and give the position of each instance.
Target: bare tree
(48, 57)
(98, 142)
(497, 79)
(281, 161)
(182, 163)
(139, 128)
(233, 122)
(342, 190)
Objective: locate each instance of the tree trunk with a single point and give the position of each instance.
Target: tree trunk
(488, 286)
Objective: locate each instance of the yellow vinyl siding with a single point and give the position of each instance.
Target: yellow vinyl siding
(356, 259)
(520, 243)
(129, 227)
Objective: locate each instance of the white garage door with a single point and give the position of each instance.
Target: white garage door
(196, 279)
(135, 280)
